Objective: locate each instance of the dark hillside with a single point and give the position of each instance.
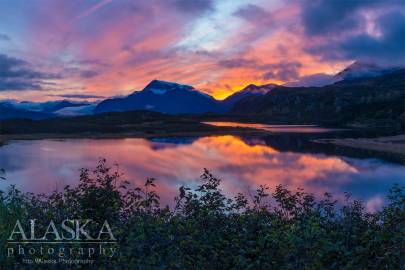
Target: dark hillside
(376, 101)
(113, 123)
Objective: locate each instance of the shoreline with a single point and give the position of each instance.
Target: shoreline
(146, 135)
(391, 145)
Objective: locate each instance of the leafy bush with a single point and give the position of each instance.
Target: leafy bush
(206, 230)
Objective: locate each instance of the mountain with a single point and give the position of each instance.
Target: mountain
(354, 71)
(45, 107)
(54, 106)
(375, 101)
(363, 70)
(318, 80)
(76, 110)
(27, 105)
(250, 90)
(41, 110)
(8, 112)
(165, 97)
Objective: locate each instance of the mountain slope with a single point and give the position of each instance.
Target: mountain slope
(250, 90)
(165, 97)
(359, 70)
(354, 71)
(368, 101)
(7, 112)
(46, 107)
(59, 105)
(76, 110)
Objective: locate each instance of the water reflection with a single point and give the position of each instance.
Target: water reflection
(41, 166)
(276, 128)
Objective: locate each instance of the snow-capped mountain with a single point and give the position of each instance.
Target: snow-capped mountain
(165, 97)
(77, 110)
(27, 105)
(356, 70)
(45, 107)
(40, 110)
(313, 80)
(250, 90)
(8, 112)
(363, 70)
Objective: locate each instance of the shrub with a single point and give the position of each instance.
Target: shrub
(206, 230)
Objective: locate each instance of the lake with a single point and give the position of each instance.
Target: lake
(277, 128)
(243, 164)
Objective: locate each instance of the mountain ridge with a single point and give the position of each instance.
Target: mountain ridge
(249, 90)
(345, 102)
(175, 98)
(165, 97)
(359, 69)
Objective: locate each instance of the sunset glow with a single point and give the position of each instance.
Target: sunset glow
(242, 166)
(113, 47)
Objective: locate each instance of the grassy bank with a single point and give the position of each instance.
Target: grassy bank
(272, 229)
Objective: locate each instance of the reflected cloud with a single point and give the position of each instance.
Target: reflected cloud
(48, 164)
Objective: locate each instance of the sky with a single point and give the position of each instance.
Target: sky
(91, 49)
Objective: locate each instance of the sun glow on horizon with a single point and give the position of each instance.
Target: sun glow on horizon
(108, 48)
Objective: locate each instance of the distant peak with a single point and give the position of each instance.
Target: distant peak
(361, 69)
(159, 87)
(270, 85)
(251, 86)
(262, 89)
(359, 65)
(158, 84)
(161, 82)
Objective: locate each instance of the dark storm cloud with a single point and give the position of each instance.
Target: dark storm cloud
(262, 21)
(320, 17)
(194, 6)
(387, 48)
(4, 37)
(343, 27)
(89, 62)
(88, 74)
(80, 96)
(238, 63)
(11, 67)
(390, 45)
(138, 56)
(17, 74)
(284, 71)
(67, 72)
(18, 85)
(8, 63)
(252, 13)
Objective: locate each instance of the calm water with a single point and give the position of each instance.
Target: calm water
(276, 128)
(242, 163)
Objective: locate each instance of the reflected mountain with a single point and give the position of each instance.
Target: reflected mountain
(174, 140)
(304, 143)
(242, 163)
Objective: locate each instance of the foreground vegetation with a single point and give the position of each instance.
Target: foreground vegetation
(204, 229)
